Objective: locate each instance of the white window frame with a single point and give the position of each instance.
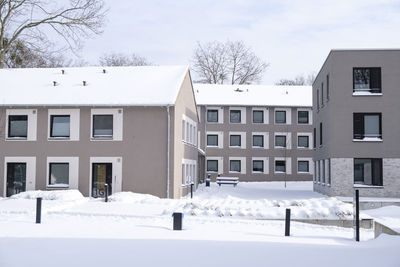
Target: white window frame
(73, 171)
(288, 116)
(32, 124)
(327, 172)
(309, 116)
(189, 172)
(242, 164)
(118, 114)
(266, 165)
(288, 164)
(242, 115)
(220, 115)
(310, 165)
(74, 118)
(189, 132)
(288, 140)
(266, 115)
(30, 171)
(310, 140)
(116, 172)
(220, 164)
(266, 140)
(242, 140)
(220, 139)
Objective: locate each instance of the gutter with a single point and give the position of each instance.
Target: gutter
(168, 147)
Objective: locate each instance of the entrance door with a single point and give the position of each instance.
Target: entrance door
(16, 178)
(101, 175)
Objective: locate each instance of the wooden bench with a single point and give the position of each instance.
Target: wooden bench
(227, 180)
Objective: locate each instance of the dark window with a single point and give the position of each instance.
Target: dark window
(102, 126)
(258, 116)
(302, 141)
(258, 166)
(258, 140)
(327, 87)
(280, 166)
(212, 165)
(367, 80)
(212, 115)
(317, 100)
(320, 133)
(315, 138)
(302, 166)
(16, 178)
(235, 116)
(60, 125)
(235, 166)
(18, 126)
(368, 171)
(322, 94)
(59, 174)
(280, 116)
(235, 140)
(302, 117)
(367, 125)
(212, 140)
(280, 140)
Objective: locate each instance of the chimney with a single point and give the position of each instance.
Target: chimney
(84, 83)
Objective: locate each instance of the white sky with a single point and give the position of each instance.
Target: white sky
(293, 36)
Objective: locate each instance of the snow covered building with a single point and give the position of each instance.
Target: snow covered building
(256, 132)
(356, 122)
(134, 128)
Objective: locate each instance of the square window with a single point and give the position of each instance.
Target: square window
(103, 126)
(59, 174)
(18, 126)
(280, 140)
(258, 166)
(303, 166)
(212, 140)
(59, 125)
(368, 171)
(235, 140)
(280, 116)
(235, 166)
(258, 141)
(302, 117)
(258, 116)
(367, 125)
(212, 165)
(235, 116)
(302, 141)
(367, 80)
(212, 115)
(280, 166)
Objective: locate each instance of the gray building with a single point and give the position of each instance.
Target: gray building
(356, 123)
(256, 133)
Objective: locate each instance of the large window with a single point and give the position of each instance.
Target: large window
(258, 116)
(212, 115)
(367, 80)
(302, 117)
(368, 171)
(59, 174)
(59, 126)
(258, 166)
(280, 141)
(280, 116)
(212, 165)
(235, 140)
(235, 166)
(280, 166)
(327, 87)
(303, 166)
(212, 140)
(367, 125)
(302, 141)
(320, 134)
(258, 141)
(18, 126)
(103, 126)
(235, 116)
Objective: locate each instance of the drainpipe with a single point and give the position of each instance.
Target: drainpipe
(168, 147)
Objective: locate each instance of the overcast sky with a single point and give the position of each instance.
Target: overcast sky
(293, 36)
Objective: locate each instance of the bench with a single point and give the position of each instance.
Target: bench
(227, 180)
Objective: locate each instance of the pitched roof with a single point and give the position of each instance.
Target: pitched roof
(253, 95)
(118, 86)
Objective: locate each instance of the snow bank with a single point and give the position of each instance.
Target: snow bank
(63, 195)
(130, 197)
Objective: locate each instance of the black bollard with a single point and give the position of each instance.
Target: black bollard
(177, 220)
(38, 209)
(357, 215)
(191, 190)
(287, 223)
(106, 193)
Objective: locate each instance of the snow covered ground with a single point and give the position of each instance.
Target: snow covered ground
(222, 227)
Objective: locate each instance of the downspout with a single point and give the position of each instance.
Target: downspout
(168, 147)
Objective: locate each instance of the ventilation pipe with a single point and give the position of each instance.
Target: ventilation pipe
(168, 147)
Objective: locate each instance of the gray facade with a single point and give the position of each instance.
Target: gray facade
(358, 112)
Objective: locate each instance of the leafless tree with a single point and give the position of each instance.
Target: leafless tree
(119, 59)
(30, 20)
(298, 80)
(229, 62)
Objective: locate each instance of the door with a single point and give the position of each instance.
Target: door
(16, 178)
(101, 175)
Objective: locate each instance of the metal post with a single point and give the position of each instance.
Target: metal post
(38, 209)
(208, 180)
(106, 195)
(177, 220)
(191, 190)
(287, 223)
(357, 215)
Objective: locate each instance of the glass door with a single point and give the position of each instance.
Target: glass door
(101, 175)
(16, 178)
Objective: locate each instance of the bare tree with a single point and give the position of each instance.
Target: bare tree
(119, 59)
(229, 62)
(29, 20)
(298, 80)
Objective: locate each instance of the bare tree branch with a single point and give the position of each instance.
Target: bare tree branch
(298, 80)
(119, 59)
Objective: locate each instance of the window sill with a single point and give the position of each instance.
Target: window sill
(281, 147)
(258, 147)
(280, 172)
(57, 186)
(368, 139)
(304, 148)
(303, 172)
(102, 138)
(212, 122)
(253, 172)
(237, 147)
(16, 139)
(366, 94)
(213, 147)
(236, 172)
(59, 139)
(368, 186)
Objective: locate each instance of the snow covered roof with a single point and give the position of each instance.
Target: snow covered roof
(253, 95)
(118, 86)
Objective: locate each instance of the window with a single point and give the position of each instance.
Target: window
(280, 116)
(327, 87)
(280, 141)
(189, 130)
(102, 126)
(235, 165)
(280, 166)
(314, 138)
(368, 171)
(258, 116)
(322, 94)
(235, 140)
(59, 174)
(367, 126)
(320, 133)
(258, 166)
(302, 141)
(303, 166)
(367, 80)
(212, 165)
(59, 126)
(235, 116)
(317, 100)
(18, 126)
(212, 140)
(302, 117)
(258, 141)
(212, 115)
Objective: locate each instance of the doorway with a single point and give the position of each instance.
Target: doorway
(101, 175)
(16, 178)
